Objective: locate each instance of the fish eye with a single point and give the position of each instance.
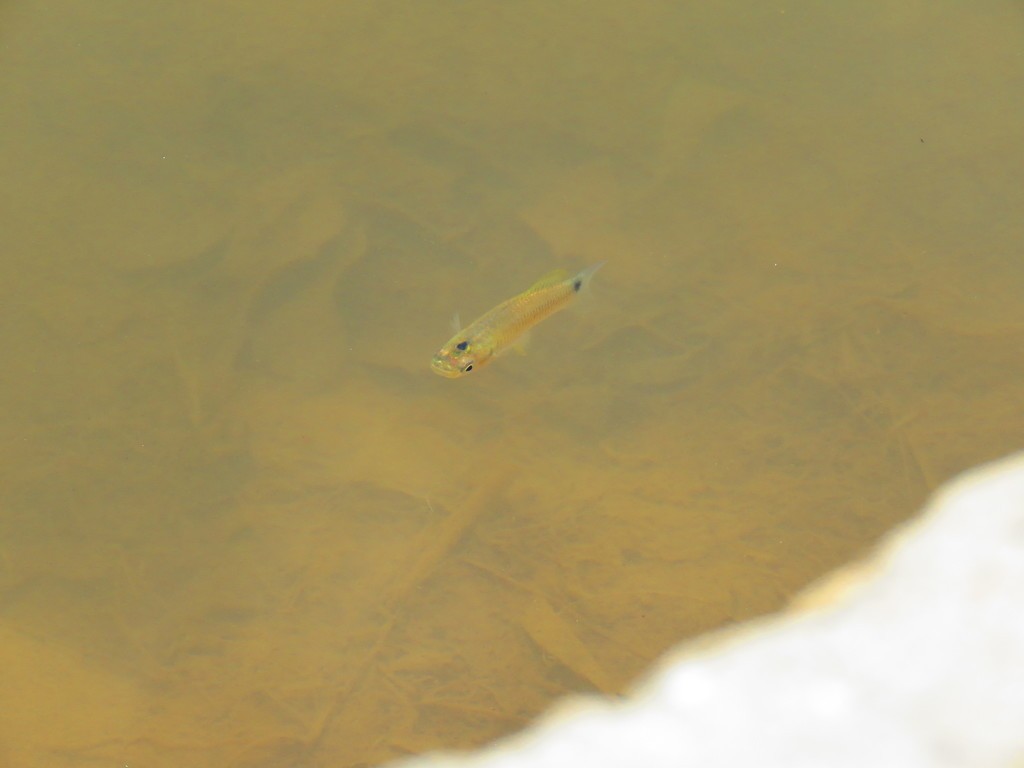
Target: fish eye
(461, 346)
(468, 368)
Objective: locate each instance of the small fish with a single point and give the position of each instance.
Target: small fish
(475, 345)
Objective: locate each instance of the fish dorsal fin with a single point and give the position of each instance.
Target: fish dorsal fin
(551, 278)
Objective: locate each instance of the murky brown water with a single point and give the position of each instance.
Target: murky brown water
(242, 524)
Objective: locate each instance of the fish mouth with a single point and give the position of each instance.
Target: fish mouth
(444, 367)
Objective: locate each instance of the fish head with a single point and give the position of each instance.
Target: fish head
(457, 358)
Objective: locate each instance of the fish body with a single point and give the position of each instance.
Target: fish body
(500, 329)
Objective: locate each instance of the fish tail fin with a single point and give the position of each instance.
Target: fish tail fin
(582, 302)
(582, 279)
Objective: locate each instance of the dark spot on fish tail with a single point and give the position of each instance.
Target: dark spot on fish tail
(462, 345)
(577, 284)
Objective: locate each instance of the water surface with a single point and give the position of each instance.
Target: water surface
(243, 524)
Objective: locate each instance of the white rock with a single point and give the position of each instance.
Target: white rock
(913, 658)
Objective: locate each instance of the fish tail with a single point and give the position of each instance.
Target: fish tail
(582, 279)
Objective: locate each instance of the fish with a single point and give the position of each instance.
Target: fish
(506, 326)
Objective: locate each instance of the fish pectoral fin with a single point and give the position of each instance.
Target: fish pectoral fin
(551, 278)
(455, 324)
(522, 344)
